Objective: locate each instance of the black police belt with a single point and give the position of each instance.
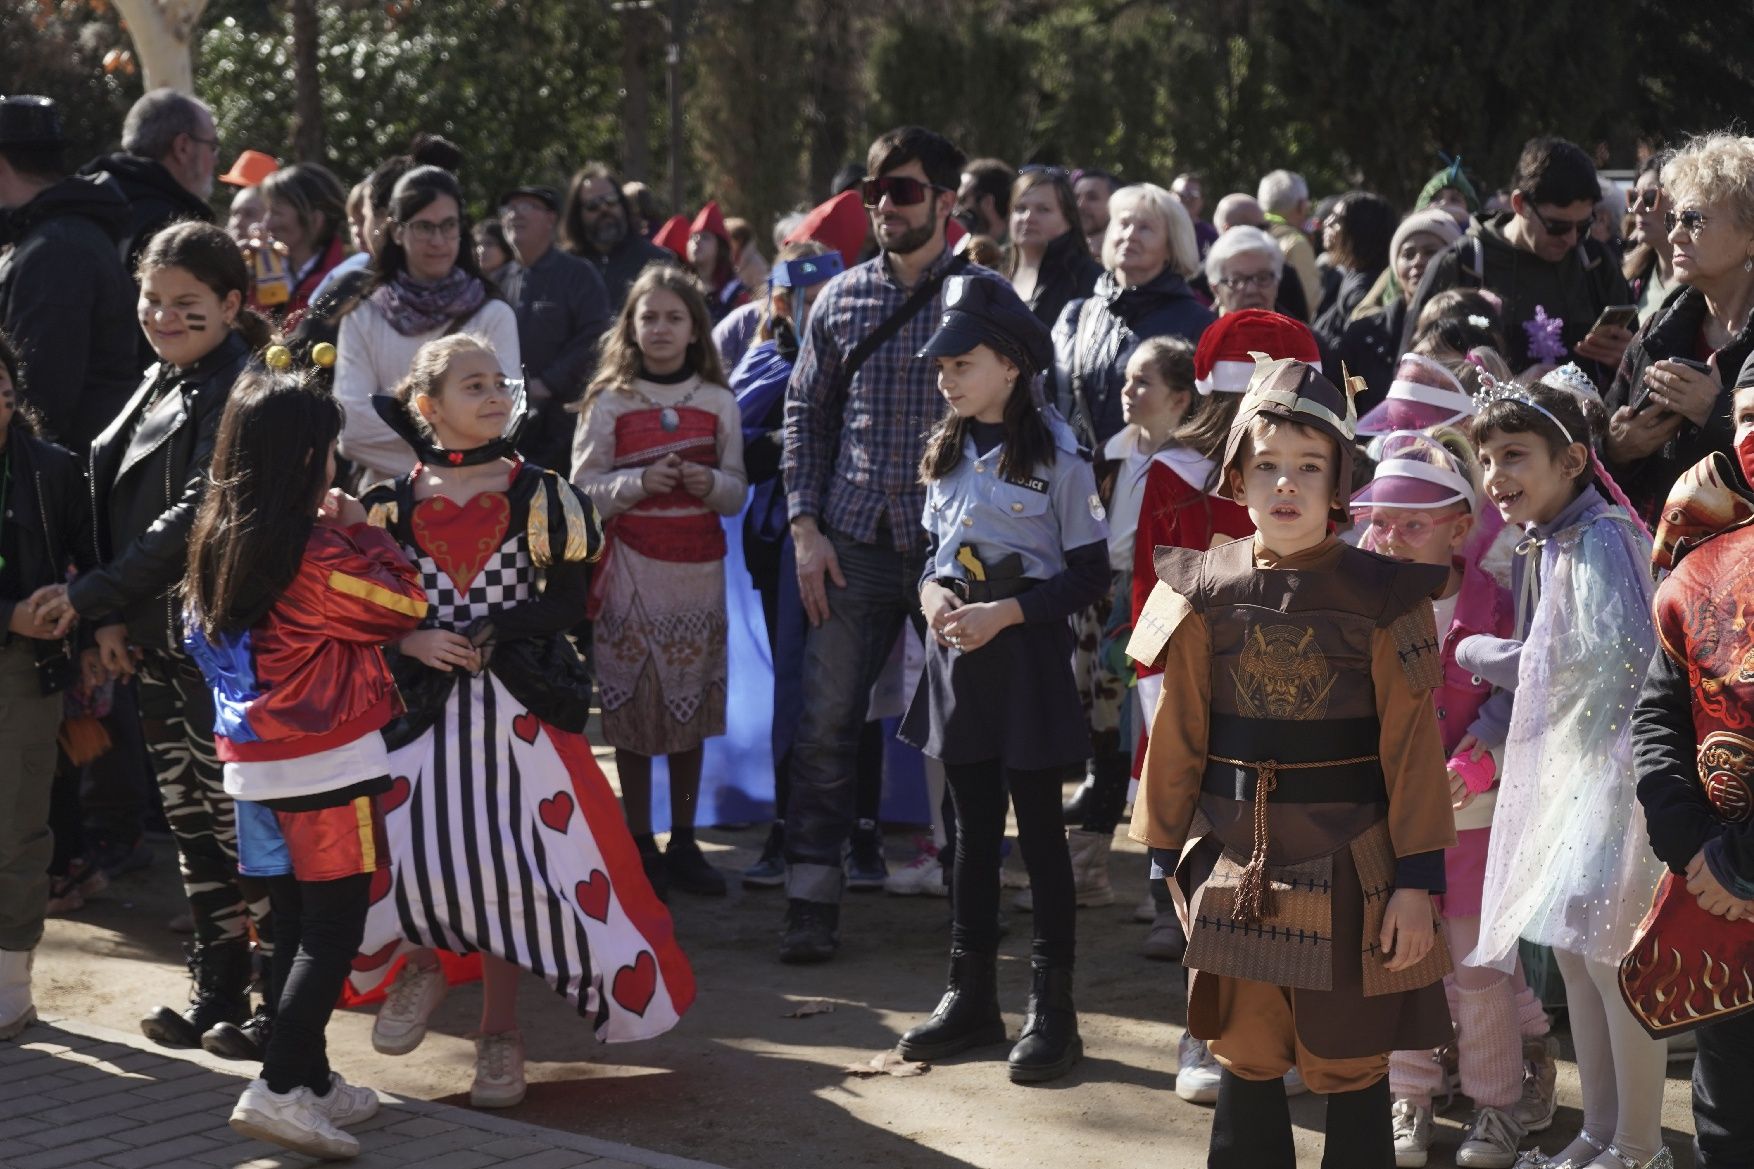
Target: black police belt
(974, 592)
(1335, 760)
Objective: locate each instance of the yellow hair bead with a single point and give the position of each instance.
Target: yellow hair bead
(277, 358)
(323, 354)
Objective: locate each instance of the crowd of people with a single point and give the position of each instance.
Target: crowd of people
(1322, 535)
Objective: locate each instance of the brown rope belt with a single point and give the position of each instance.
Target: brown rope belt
(1254, 895)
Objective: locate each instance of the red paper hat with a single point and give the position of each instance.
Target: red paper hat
(839, 223)
(1224, 360)
(711, 221)
(673, 236)
(1423, 394)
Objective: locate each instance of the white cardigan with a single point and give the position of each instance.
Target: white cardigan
(371, 358)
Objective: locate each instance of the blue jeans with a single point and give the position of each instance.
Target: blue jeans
(842, 659)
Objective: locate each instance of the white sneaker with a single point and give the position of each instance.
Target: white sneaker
(412, 998)
(1294, 1085)
(17, 1011)
(923, 874)
(294, 1121)
(1411, 1125)
(1196, 1077)
(1146, 910)
(1491, 1141)
(346, 1104)
(1540, 1098)
(499, 1071)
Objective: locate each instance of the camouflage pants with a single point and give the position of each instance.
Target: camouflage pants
(1101, 675)
(176, 714)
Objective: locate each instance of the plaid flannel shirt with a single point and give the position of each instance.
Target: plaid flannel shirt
(853, 461)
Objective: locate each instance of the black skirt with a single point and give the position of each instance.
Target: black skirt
(1013, 700)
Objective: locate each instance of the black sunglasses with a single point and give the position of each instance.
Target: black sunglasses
(902, 191)
(1563, 227)
(1693, 221)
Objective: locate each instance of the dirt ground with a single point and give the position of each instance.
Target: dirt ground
(741, 1084)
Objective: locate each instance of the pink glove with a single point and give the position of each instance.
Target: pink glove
(1477, 775)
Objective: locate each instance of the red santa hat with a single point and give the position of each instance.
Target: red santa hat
(1224, 360)
(839, 223)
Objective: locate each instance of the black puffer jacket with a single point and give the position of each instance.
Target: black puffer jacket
(148, 472)
(69, 307)
(51, 526)
(1095, 336)
(1673, 331)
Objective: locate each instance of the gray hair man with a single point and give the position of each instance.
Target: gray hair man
(1284, 196)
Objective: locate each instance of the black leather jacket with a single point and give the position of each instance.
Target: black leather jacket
(46, 507)
(148, 471)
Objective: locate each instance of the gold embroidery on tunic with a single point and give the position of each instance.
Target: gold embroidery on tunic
(1282, 674)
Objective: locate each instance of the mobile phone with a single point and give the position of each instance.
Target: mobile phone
(1616, 315)
(1644, 401)
(1690, 363)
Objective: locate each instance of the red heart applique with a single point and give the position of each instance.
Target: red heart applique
(375, 959)
(380, 886)
(556, 810)
(593, 896)
(400, 789)
(635, 985)
(526, 726)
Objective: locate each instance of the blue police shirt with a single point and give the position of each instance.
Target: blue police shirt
(1038, 516)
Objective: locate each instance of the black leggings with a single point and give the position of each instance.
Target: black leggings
(318, 928)
(978, 791)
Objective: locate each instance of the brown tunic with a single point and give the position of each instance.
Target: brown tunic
(1252, 645)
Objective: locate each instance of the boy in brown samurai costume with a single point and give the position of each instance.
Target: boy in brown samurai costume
(1294, 785)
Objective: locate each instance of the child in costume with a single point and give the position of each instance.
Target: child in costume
(504, 836)
(660, 453)
(1420, 507)
(291, 595)
(1294, 785)
(1695, 761)
(1566, 866)
(1017, 545)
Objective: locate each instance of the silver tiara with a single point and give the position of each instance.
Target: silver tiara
(1573, 379)
(1492, 390)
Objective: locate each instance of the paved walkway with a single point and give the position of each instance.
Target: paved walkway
(75, 1095)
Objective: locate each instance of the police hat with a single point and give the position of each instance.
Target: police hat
(28, 120)
(982, 310)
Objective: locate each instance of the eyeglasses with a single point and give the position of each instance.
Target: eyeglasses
(1257, 280)
(1413, 531)
(597, 203)
(1645, 200)
(426, 231)
(210, 143)
(1564, 227)
(902, 191)
(1693, 221)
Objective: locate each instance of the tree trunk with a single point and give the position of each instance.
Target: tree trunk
(163, 32)
(833, 71)
(307, 101)
(636, 102)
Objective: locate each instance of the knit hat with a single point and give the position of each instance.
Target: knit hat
(840, 223)
(1423, 394)
(1293, 391)
(1224, 361)
(1416, 471)
(1433, 222)
(1451, 177)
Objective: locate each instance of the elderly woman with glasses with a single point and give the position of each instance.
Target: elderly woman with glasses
(427, 285)
(1671, 399)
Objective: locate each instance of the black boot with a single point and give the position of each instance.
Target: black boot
(1360, 1135)
(968, 1014)
(221, 973)
(248, 1040)
(1251, 1126)
(1049, 1044)
(812, 931)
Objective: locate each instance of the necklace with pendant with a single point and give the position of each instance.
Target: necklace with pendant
(668, 418)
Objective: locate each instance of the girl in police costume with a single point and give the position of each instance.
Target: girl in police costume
(1018, 545)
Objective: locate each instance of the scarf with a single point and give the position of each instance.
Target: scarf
(413, 307)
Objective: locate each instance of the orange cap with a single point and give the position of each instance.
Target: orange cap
(251, 167)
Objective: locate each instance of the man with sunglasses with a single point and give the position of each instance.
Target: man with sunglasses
(1538, 254)
(857, 416)
(595, 219)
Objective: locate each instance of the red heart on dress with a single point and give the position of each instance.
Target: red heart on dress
(593, 896)
(400, 790)
(556, 810)
(635, 985)
(375, 959)
(526, 726)
(380, 886)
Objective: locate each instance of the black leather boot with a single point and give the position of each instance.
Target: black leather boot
(1360, 1135)
(247, 1040)
(221, 994)
(1251, 1126)
(968, 1014)
(1049, 1044)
